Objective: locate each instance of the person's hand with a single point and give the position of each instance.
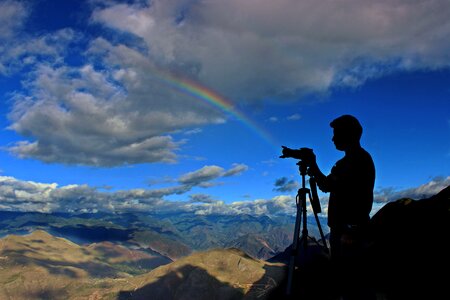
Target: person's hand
(308, 156)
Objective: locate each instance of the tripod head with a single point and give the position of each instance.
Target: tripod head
(314, 199)
(302, 167)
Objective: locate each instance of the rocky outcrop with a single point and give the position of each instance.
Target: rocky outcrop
(410, 251)
(407, 256)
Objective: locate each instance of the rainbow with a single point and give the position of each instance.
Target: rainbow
(198, 91)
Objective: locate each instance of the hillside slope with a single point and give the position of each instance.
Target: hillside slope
(41, 266)
(214, 274)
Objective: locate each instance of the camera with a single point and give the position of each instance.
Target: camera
(305, 154)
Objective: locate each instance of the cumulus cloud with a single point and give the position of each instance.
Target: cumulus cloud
(294, 117)
(193, 131)
(201, 198)
(237, 169)
(206, 174)
(82, 116)
(305, 46)
(424, 191)
(23, 51)
(12, 15)
(283, 184)
(123, 104)
(273, 119)
(18, 195)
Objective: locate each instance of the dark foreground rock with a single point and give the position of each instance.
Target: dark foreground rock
(407, 256)
(410, 252)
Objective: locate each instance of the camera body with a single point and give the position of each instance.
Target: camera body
(305, 154)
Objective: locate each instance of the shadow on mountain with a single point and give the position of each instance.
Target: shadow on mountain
(268, 286)
(188, 282)
(46, 293)
(64, 268)
(81, 234)
(94, 269)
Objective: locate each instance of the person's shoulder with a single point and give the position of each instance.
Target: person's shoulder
(364, 152)
(363, 155)
(365, 159)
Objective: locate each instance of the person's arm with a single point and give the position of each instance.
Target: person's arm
(320, 178)
(323, 181)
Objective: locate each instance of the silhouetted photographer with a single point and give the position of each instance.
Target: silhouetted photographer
(350, 184)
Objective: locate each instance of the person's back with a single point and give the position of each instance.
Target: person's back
(351, 184)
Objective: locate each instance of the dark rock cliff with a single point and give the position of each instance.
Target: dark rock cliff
(407, 256)
(410, 253)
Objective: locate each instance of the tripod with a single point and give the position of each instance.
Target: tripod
(301, 213)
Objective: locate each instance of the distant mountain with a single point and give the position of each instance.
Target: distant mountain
(171, 235)
(257, 245)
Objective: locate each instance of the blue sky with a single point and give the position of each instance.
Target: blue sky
(88, 123)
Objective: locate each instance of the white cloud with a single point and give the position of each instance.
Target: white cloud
(18, 52)
(126, 108)
(193, 131)
(20, 195)
(305, 47)
(17, 195)
(12, 15)
(237, 169)
(80, 115)
(294, 117)
(203, 176)
(201, 198)
(423, 191)
(206, 173)
(284, 184)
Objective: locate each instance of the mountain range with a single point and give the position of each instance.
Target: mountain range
(169, 235)
(129, 256)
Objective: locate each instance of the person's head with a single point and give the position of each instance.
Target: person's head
(347, 132)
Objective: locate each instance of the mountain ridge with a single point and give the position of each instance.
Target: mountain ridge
(171, 235)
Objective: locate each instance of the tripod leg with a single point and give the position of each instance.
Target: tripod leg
(315, 204)
(305, 221)
(294, 248)
(321, 233)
